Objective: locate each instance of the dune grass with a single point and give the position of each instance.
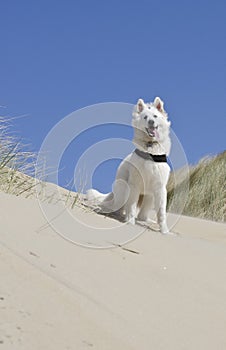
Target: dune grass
(16, 164)
(18, 173)
(207, 192)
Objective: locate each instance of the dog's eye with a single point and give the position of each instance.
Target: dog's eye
(155, 116)
(145, 117)
(149, 107)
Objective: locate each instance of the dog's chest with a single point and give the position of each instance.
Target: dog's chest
(153, 174)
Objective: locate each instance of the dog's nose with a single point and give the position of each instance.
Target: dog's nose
(151, 123)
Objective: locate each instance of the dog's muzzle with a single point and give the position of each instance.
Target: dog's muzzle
(152, 131)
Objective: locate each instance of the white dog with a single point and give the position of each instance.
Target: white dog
(141, 179)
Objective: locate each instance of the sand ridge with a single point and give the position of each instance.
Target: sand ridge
(156, 292)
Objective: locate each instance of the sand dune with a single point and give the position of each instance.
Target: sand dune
(156, 292)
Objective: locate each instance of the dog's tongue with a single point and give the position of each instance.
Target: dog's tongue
(152, 131)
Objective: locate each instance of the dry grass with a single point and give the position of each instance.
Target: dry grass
(207, 193)
(18, 173)
(16, 164)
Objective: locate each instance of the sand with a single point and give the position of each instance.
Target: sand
(156, 292)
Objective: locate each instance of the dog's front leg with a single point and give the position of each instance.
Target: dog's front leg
(144, 214)
(130, 207)
(160, 206)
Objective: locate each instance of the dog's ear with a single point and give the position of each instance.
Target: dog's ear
(138, 108)
(159, 104)
(140, 105)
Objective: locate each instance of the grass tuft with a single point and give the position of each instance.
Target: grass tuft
(18, 174)
(207, 192)
(16, 164)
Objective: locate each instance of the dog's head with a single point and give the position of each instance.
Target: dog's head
(151, 119)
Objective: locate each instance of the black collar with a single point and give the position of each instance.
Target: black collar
(160, 158)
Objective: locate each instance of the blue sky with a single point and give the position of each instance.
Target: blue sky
(59, 56)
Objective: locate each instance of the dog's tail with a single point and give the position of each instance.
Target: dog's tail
(95, 197)
(104, 202)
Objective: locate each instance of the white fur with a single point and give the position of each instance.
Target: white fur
(140, 177)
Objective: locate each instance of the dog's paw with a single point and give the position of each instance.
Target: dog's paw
(164, 229)
(130, 220)
(167, 232)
